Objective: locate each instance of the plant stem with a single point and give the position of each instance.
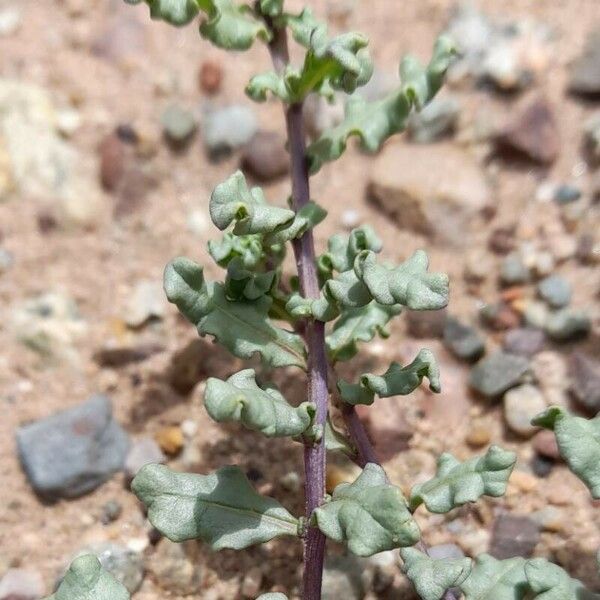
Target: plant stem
(317, 392)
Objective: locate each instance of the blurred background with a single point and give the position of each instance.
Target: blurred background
(113, 132)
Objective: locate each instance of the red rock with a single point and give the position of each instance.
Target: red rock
(112, 162)
(210, 77)
(545, 445)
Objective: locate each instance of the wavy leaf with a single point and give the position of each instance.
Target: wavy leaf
(87, 580)
(242, 283)
(578, 442)
(374, 122)
(493, 579)
(396, 381)
(272, 596)
(266, 410)
(360, 324)
(369, 514)
(309, 216)
(242, 327)
(432, 578)
(233, 202)
(550, 582)
(222, 509)
(457, 483)
(175, 12)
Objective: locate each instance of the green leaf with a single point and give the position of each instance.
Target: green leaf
(242, 327)
(396, 381)
(271, 8)
(578, 442)
(336, 441)
(493, 579)
(310, 215)
(222, 509)
(374, 122)
(272, 596)
(266, 410)
(233, 202)
(175, 12)
(360, 324)
(432, 578)
(246, 247)
(550, 582)
(242, 283)
(369, 514)
(457, 483)
(87, 580)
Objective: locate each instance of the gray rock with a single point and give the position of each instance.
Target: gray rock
(21, 584)
(555, 290)
(585, 70)
(463, 341)
(525, 341)
(513, 270)
(541, 467)
(143, 451)
(494, 375)
(521, 404)
(567, 324)
(111, 511)
(122, 563)
(437, 120)
(265, 156)
(591, 138)
(514, 536)
(228, 128)
(179, 125)
(176, 568)
(341, 579)
(566, 193)
(585, 381)
(74, 451)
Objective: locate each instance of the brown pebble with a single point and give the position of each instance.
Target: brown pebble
(170, 439)
(522, 481)
(210, 77)
(502, 239)
(544, 443)
(112, 162)
(479, 435)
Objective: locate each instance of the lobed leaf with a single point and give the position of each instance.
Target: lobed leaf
(87, 580)
(374, 122)
(272, 596)
(578, 442)
(243, 327)
(493, 579)
(222, 509)
(396, 381)
(432, 578)
(266, 410)
(369, 514)
(242, 283)
(335, 440)
(233, 202)
(549, 582)
(175, 12)
(309, 216)
(457, 483)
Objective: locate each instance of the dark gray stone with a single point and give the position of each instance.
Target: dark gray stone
(111, 511)
(585, 71)
(555, 290)
(524, 341)
(74, 451)
(463, 341)
(514, 536)
(492, 376)
(565, 325)
(585, 376)
(566, 193)
(513, 271)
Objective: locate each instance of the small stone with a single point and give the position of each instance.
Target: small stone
(532, 133)
(499, 316)
(189, 428)
(585, 70)
(585, 376)
(541, 466)
(555, 290)
(479, 435)
(229, 128)
(502, 239)
(463, 341)
(143, 451)
(494, 375)
(265, 156)
(551, 373)
(291, 481)
(21, 584)
(566, 193)
(111, 511)
(567, 325)
(563, 247)
(536, 314)
(588, 249)
(170, 439)
(74, 451)
(145, 302)
(68, 121)
(252, 582)
(179, 125)
(521, 404)
(437, 120)
(549, 518)
(525, 341)
(132, 192)
(514, 536)
(350, 219)
(210, 77)
(544, 443)
(115, 355)
(543, 264)
(426, 324)
(112, 153)
(10, 22)
(176, 567)
(478, 266)
(592, 138)
(523, 481)
(198, 223)
(341, 579)
(513, 271)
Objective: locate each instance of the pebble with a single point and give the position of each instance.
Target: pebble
(568, 324)
(588, 249)
(143, 451)
(210, 77)
(350, 219)
(551, 373)
(291, 481)
(543, 264)
(585, 70)
(499, 316)
(585, 381)
(562, 246)
(497, 373)
(591, 138)
(111, 511)
(341, 578)
(170, 439)
(68, 121)
(549, 518)
(536, 314)
(555, 290)
(478, 266)
(252, 583)
(541, 466)
(502, 239)
(438, 119)
(513, 271)
(21, 584)
(74, 451)
(544, 443)
(10, 20)
(146, 301)
(463, 341)
(113, 152)
(179, 125)
(479, 434)
(120, 353)
(566, 193)
(265, 156)
(523, 481)
(426, 324)
(176, 568)
(198, 223)
(7, 260)
(514, 536)
(521, 404)
(524, 341)
(226, 129)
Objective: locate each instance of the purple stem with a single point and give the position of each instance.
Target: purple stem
(317, 392)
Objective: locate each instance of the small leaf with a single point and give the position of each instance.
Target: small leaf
(432, 578)
(360, 324)
(233, 202)
(578, 442)
(493, 579)
(310, 215)
(550, 582)
(241, 283)
(457, 483)
(396, 381)
(374, 122)
(175, 12)
(242, 327)
(272, 596)
(265, 410)
(336, 441)
(248, 248)
(222, 509)
(370, 515)
(87, 580)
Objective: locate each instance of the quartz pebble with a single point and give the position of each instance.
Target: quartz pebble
(521, 404)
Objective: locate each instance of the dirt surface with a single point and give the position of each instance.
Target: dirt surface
(113, 65)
